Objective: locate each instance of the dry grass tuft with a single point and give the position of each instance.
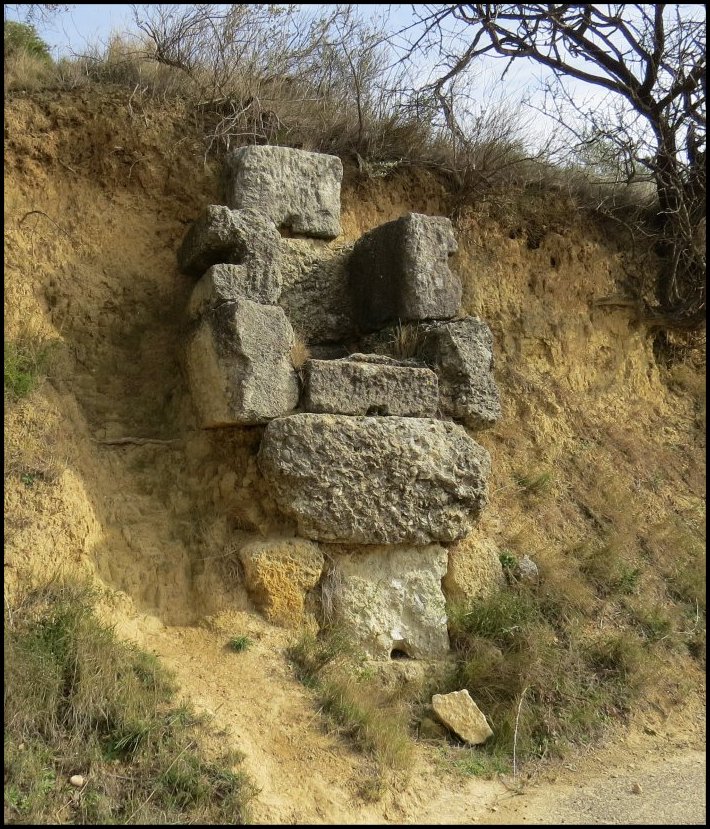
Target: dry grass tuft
(300, 353)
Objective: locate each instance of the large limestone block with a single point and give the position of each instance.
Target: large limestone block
(298, 190)
(235, 237)
(239, 365)
(389, 599)
(369, 384)
(228, 283)
(278, 574)
(315, 292)
(474, 570)
(461, 714)
(400, 270)
(461, 353)
(375, 480)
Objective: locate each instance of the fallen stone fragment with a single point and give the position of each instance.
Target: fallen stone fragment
(76, 780)
(400, 271)
(278, 573)
(298, 190)
(234, 237)
(527, 570)
(239, 365)
(389, 600)
(363, 384)
(461, 714)
(228, 283)
(375, 480)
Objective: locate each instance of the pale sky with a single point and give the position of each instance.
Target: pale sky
(88, 24)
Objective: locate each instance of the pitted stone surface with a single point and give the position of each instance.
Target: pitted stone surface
(365, 384)
(400, 270)
(461, 354)
(239, 365)
(370, 480)
(461, 714)
(296, 189)
(228, 283)
(315, 292)
(236, 237)
(278, 573)
(389, 599)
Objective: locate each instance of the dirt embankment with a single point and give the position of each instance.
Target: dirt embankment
(96, 203)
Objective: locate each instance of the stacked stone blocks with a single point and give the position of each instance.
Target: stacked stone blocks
(359, 451)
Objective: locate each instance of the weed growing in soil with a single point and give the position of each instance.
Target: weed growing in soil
(80, 702)
(240, 643)
(25, 364)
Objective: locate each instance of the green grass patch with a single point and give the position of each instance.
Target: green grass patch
(543, 680)
(240, 643)
(25, 364)
(79, 701)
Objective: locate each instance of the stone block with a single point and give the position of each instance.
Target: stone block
(298, 190)
(461, 353)
(239, 365)
(400, 271)
(315, 292)
(363, 384)
(278, 574)
(375, 480)
(228, 283)
(461, 714)
(389, 600)
(221, 236)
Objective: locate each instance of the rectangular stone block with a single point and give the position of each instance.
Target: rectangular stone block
(389, 599)
(239, 365)
(375, 480)
(400, 271)
(298, 190)
(228, 283)
(315, 292)
(235, 237)
(364, 384)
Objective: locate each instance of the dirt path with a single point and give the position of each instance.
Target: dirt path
(307, 775)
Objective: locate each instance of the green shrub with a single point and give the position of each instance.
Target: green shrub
(23, 37)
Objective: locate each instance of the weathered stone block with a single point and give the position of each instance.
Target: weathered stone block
(363, 384)
(228, 283)
(375, 480)
(461, 353)
(236, 237)
(239, 365)
(278, 573)
(315, 292)
(461, 714)
(400, 270)
(474, 570)
(389, 599)
(298, 190)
